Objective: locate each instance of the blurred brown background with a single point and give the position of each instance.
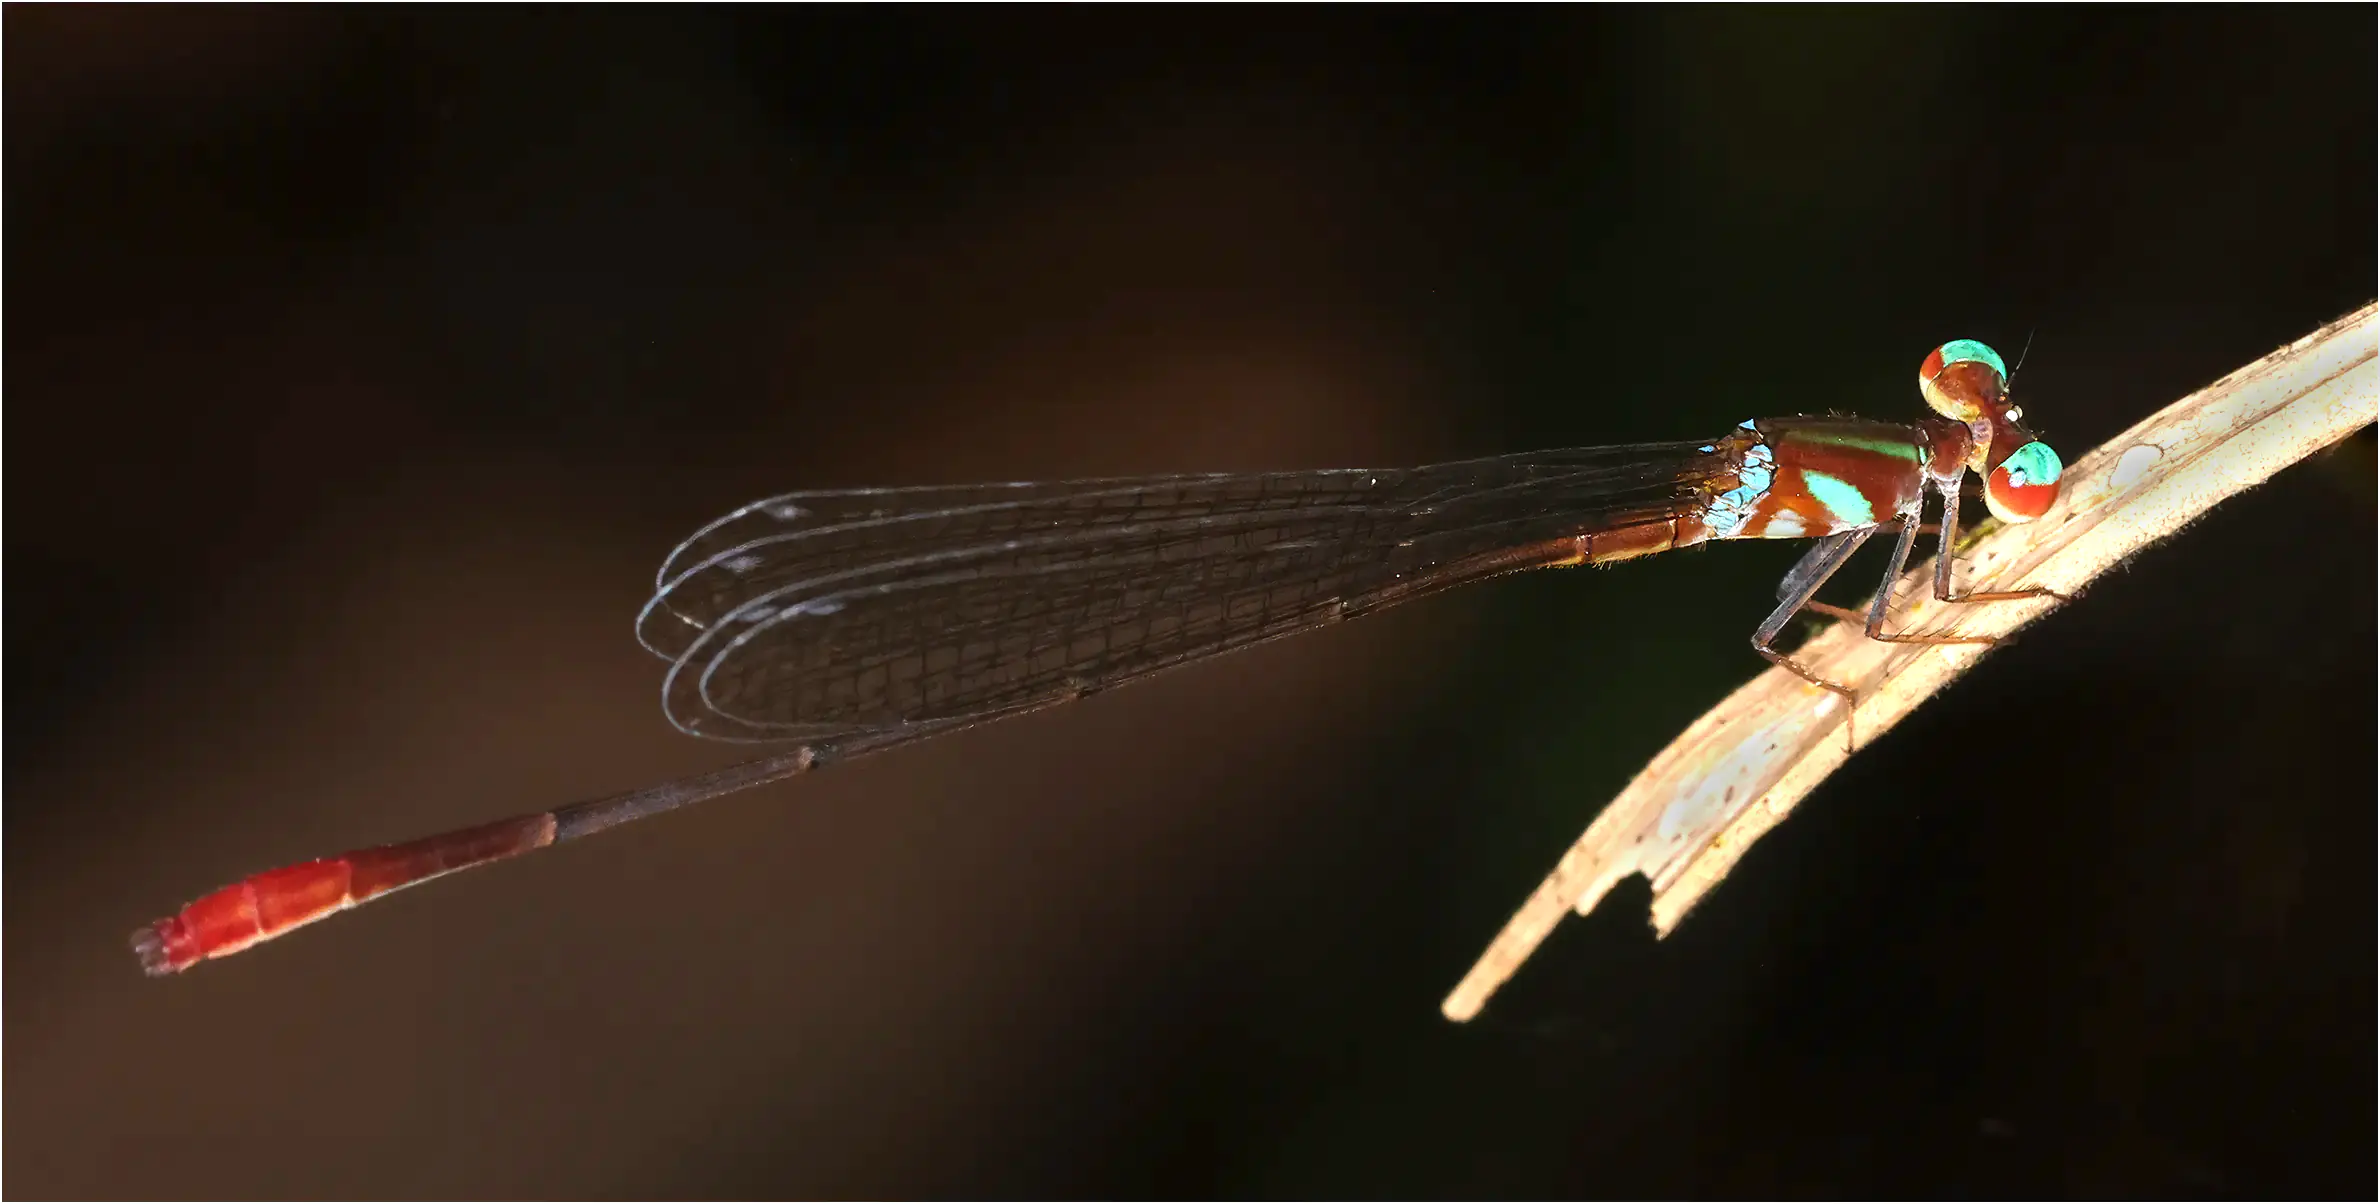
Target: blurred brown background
(362, 363)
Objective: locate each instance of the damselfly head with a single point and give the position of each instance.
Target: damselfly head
(1964, 380)
(2022, 482)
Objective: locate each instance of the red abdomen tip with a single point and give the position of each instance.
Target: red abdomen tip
(239, 915)
(271, 903)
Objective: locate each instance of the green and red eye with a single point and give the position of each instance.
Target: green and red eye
(1963, 379)
(2024, 484)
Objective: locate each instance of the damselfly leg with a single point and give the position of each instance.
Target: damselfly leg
(1797, 592)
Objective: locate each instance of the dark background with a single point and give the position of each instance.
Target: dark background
(361, 364)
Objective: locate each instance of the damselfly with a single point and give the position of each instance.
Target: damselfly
(846, 622)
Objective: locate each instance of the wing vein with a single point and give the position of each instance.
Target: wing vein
(835, 613)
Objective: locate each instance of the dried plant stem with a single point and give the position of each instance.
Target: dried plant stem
(1741, 768)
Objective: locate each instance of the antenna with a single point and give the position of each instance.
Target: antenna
(2020, 357)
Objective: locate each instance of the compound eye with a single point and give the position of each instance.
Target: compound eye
(1963, 379)
(2024, 485)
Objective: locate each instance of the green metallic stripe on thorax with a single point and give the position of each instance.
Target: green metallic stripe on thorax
(1899, 448)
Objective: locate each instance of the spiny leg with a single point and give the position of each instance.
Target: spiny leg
(1798, 592)
(1943, 564)
(1880, 607)
(1871, 619)
(1794, 595)
(1946, 535)
(1845, 613)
